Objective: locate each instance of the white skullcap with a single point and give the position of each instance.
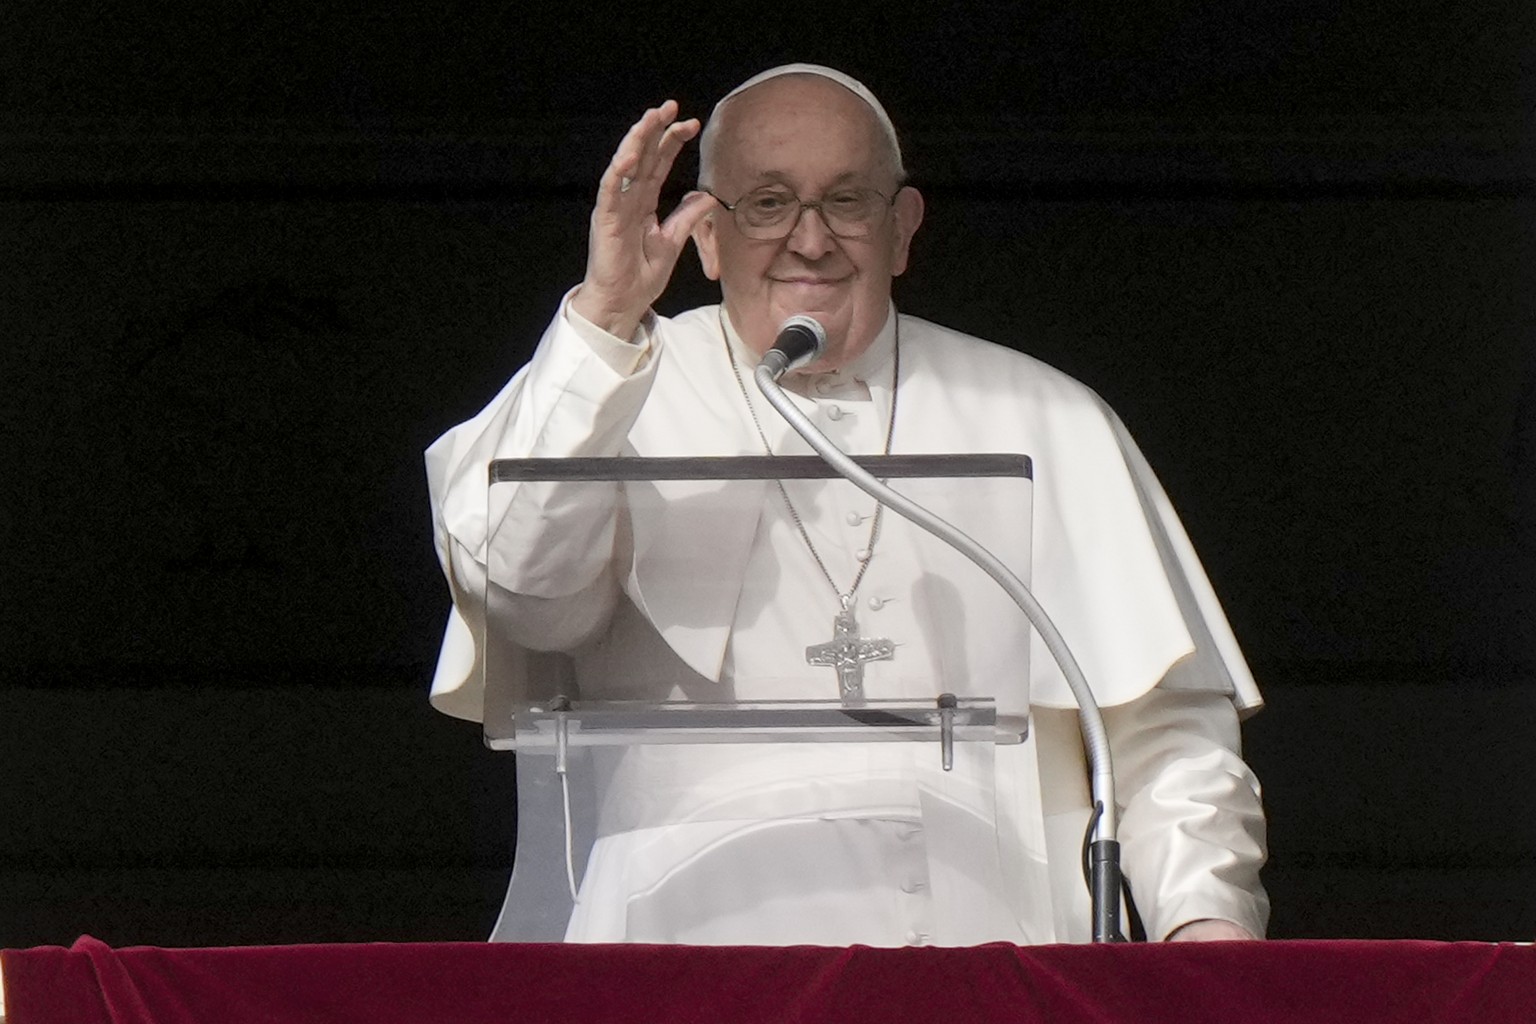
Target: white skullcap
(848, 82)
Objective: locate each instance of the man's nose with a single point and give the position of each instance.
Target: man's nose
(811, 237)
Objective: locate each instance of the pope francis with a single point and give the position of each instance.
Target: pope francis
(802, 208)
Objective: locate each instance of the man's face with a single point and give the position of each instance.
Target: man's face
(810, 135)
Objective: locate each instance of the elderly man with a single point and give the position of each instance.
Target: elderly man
(803, 209)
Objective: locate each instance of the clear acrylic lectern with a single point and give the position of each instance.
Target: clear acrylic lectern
(692, 711)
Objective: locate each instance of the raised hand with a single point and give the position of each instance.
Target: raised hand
(630, 254)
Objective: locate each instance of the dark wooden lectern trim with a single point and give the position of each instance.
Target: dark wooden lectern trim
(757, 467)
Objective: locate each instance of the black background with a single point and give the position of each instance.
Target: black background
(255, 257)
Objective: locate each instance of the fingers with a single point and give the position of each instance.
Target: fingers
(1211, 930)
(625, 169)
(676, 136)
(630, 252)
(644, 158)
(664, 137)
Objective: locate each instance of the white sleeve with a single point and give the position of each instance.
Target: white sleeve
(1192, 831)
(544, 552)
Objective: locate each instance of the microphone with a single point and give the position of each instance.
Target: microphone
(801, 340)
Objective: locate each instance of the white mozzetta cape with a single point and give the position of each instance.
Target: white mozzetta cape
(1112, 565)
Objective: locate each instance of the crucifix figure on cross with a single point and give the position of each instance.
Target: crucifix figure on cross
(847, 652)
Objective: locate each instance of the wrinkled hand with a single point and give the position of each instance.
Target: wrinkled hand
(1210, 930)
(630, 254)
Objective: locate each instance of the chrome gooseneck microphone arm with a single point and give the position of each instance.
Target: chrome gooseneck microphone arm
(1103, 847)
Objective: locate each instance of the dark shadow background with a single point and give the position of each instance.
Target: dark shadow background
(254, 258)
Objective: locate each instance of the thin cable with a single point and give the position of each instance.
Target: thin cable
(570, 845)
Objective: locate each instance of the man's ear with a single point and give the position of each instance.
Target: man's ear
(908, 213)
(705, 240)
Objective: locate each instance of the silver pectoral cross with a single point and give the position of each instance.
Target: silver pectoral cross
(847, 652)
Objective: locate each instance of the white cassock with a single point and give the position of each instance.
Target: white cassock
(1108, 560)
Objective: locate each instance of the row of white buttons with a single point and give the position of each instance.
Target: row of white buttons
(914, 884)
(854, 519)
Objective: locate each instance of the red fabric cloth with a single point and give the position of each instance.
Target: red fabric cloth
(471, 983)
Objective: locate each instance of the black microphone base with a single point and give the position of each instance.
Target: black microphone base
(1104, 882)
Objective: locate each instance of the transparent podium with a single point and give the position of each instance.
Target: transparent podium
(715, 746)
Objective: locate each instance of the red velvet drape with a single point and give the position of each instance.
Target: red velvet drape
(474, 983)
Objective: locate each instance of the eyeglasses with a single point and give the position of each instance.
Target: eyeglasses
(771, 212)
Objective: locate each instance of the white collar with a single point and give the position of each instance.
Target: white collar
(872, 367)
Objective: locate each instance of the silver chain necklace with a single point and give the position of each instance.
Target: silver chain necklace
(846, 652)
